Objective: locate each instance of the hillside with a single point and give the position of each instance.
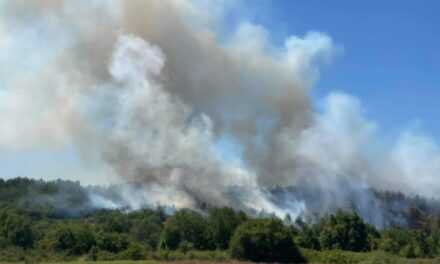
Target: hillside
(51, 221)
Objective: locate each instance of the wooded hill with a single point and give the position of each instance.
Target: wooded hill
(56, 220)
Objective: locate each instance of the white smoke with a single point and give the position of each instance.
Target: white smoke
(415, 162)
(344, 143)
(147, 88)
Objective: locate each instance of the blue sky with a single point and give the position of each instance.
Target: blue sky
(390, 61)
(390, 58)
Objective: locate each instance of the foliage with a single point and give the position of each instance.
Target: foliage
(306, 236)
(15, 229)
(374, 257)
(222, 223)
(186, 228)
(264, 240)
(73, 239)
(146, 226)
(344, 231)
(410, 243)
(55, 221)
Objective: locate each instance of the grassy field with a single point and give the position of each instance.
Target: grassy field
(378, 259)
(314, 257)
(345, 257)
(138, 262)
(147, 262)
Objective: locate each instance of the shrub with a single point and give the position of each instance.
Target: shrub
(344, 231)
(337, 257)
(306, 236)
(134, 252)
(222, 223)
(15, 229)
(112, 242)
(185, 227)
(264, 240)
(147, 229)
(69, 238)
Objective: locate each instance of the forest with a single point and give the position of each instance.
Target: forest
(51, 221)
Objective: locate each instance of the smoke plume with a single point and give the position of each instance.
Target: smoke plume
(150, 88)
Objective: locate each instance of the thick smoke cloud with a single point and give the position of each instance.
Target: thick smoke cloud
(147, 88)
(343, 145)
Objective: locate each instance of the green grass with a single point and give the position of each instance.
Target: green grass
(346, 257)
(370, 258)
(211, 257)
(136, 262)
(109, 262)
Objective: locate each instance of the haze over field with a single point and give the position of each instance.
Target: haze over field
(171, 96)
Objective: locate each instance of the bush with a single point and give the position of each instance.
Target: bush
(70, 239)
(146, 227)
(264, 240)
(410, 243)
(399, 241)
(15, 229)
(166, 255)
(134, 252)
(184, 228)
(222, 223)
(344, 231)
(112, 242)
(306, 236)
(337, 257)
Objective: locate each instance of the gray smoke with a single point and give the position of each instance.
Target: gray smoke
(148, 89)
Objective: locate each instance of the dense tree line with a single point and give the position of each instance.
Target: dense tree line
(347, 231)
(43, 232)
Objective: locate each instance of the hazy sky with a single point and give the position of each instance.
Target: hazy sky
(388, 58)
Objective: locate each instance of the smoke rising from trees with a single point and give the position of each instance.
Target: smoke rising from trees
(147, 89)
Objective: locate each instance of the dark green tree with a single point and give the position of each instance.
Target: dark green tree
(185, 226)
(345, 231)
(146, 227)
(134, 252)
(112, 242)
(307, 236)
(264, 240)
(222, 223)
(112, 221)
(59, 238)
(15, 229)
